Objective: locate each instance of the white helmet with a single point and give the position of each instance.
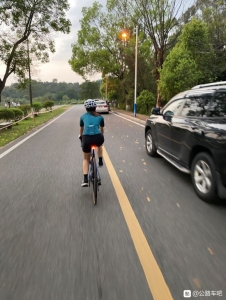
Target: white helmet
(90, 103)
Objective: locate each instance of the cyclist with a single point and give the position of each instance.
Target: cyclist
(91, 133)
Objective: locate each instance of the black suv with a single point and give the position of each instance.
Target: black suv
(190, 132)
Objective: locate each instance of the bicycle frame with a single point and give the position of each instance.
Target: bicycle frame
(93, 174)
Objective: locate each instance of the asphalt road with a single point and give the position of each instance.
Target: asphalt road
(55, 244)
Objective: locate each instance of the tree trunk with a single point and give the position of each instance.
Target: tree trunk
(157, 61)
(2, 85)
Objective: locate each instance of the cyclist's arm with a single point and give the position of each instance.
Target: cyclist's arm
(81, 130)
(81, 126)
(102, 125)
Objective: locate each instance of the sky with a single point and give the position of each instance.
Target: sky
(58, 66)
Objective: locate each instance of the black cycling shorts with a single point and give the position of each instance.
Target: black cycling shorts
(91, 140)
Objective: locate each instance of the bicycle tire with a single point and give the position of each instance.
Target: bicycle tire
(95, 181)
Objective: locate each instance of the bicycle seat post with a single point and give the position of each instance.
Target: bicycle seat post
(93, 151)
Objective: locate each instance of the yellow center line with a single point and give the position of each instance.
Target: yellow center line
(153, 274)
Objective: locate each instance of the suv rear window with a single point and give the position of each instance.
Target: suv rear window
(196, 106)
(218, 106)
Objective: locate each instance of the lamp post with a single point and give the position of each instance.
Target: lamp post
(106, 87)
(135, 79)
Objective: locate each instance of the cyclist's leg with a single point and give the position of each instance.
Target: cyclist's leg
(100, 141)
(86, 157)
(85, 164)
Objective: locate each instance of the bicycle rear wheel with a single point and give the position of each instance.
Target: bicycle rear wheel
(94, 181)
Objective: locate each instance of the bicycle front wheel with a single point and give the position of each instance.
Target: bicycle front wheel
(95, 183)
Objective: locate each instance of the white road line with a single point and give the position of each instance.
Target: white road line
(117, 115)
(31, 135)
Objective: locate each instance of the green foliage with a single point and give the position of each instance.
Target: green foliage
(65, 98)
(6, 114)
(54, 91)
(90, 90)
(179, 72)
(187, 64)
(37, 106)
(145, 102)
(18, 113)
(26, 108)
(48, 104)
(33, 20)
(27, 125)
(130, 99)
(98, 49)
(213, 13)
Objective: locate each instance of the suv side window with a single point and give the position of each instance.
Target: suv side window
(196, 106)
(218, 105)
(173, 108)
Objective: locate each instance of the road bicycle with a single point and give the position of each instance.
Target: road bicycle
(94, 174)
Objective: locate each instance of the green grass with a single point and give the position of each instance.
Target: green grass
(8, 135)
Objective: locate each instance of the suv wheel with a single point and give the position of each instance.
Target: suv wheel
(202, 173)
(149, 144)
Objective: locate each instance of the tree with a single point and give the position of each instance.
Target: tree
(48, 104)
(158, 19)
(179, 73)
(90, 90)
(145, 102)
(188, 64)
(34, 20)
(100, 48)
(37, 106)
(213, 13)
(65, 99)
(42, 91)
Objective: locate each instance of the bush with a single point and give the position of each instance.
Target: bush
(6, 114)
(26, 108)
(18, 113)
(145, 102)
(48, 104)
(37, 106)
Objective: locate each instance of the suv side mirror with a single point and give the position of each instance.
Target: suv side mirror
(168, 115)
(156, 111)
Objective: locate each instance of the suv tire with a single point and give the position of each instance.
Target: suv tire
(202, 173)
(149, 144)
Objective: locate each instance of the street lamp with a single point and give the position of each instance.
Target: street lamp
(124, 35)
(135, 79)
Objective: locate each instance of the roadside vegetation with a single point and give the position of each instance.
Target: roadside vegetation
(180, 44)
(59, 92)
(26, 125)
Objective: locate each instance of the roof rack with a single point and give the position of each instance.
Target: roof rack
(197, 92)
(209, 84)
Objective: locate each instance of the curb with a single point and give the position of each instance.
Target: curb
(135, 119)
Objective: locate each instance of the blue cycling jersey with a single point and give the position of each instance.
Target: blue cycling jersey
(91, 123)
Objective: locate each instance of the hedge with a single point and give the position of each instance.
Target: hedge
(6, 114)
(18, 113)
(37, 106)
(26, 108)
(48, 104)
